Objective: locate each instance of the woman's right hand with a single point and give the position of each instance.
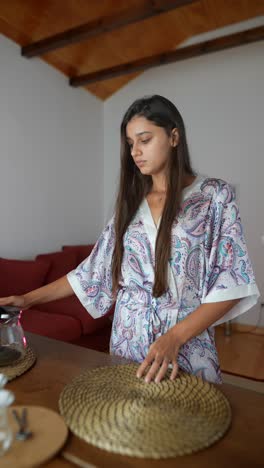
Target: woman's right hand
(16, 301)
(50, 292)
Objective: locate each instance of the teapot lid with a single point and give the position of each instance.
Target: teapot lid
(8, 312)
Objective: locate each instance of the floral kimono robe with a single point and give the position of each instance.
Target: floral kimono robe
(209, 263)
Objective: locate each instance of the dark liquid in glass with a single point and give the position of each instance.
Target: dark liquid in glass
(8, 355)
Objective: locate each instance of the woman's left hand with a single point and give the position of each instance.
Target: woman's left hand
(161, 353)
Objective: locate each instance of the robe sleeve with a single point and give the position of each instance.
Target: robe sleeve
(228, 269)
(91, 281)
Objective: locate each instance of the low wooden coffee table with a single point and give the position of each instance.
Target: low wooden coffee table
(58, 363)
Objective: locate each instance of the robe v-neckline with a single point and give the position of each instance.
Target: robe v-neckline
(146, 211)
(147, 216)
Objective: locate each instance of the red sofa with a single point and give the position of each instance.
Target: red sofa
(64, 319)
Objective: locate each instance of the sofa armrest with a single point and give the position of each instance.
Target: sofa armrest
(72, 307)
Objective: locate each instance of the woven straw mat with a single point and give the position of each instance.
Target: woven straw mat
(112, 409)
(20, 366)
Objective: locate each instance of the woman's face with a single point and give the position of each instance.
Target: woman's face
(150, 146)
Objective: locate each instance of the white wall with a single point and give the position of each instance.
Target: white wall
(51, 158)
(221, 99)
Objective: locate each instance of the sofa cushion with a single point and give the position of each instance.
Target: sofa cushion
(99, 340)
(59, 327)
(71, 306)
(82, 251)
(21, 276)
(60, 264)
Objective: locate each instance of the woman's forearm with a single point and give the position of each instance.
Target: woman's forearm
(57, 290)
(203, 317)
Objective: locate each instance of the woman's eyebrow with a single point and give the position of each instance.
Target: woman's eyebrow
(139, 134)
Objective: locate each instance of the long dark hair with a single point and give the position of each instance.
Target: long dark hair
(134, 186)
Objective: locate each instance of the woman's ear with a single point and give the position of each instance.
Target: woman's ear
(174, 137)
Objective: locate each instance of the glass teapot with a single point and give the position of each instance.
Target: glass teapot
(12, 338)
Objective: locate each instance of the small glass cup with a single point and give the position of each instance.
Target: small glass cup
(12, 338)
(6, 434)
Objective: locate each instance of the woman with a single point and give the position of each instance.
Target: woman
(173, 257)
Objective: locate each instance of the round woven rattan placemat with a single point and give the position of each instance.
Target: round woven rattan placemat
(20, 366)
(113, 410)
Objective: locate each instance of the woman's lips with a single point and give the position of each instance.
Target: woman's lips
(140, 163)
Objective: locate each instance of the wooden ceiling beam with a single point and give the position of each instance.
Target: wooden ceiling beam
(101, 26)
(202, 48)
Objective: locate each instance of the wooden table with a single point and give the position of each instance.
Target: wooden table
(58, 363)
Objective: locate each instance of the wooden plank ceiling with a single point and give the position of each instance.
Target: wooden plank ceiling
(28, 21)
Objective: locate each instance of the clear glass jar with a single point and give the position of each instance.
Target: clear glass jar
(12, 338)
(6, 434)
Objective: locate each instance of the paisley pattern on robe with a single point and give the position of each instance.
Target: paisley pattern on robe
(209, 263)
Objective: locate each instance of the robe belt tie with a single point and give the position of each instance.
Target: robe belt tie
(154, 321)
